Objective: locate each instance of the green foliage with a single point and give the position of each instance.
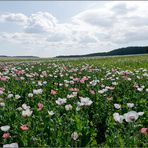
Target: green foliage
(94, 123)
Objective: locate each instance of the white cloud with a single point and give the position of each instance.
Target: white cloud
(14, 17)
(40, 22)
(122, 8)
(93, 30)
(100, 18)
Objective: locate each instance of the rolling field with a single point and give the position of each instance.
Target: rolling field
(88, 102)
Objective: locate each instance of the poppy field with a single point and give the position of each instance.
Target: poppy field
(88, 102)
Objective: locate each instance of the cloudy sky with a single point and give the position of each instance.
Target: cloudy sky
(49, 28)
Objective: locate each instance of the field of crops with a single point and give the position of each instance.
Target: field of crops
(96, 102)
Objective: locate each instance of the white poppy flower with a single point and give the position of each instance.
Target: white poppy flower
(10, 96)
(78, 108)
(118, 118)
(85, 101)
(93, 83)
(45, 82)
(131, 116)
(140, 89)
(2, 104)
(51, 113)
(117, 106)
(142, 86)
(74, 93)
(70, 96)
(5, 128)
(40, 83)
(68, 107)
(103, 91)
(17, 96)
(74, 136)
(114, 83)
(19, 109)
(26, 113)
(30, 95)
(12, 145)
(61, 101)
(24, 106)
(1, 100)
(140, 113)
(37, 91)
(22, 78)
(130, 105)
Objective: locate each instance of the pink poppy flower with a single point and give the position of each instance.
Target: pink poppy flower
(44, 73)
(6, 135)
(1, 92)
(3, 78)
(85, 78)
(40, 106)
(125, 77)
(76, 79)
(74, 89)
(24, 127)
(2, 89)
(92, 92)
(82, 81)
(114, 70)
(19, 72)
(143, 130)
(53, 92)
(126, 73)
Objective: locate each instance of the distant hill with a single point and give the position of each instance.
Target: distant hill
(120, 51)
(20, 57)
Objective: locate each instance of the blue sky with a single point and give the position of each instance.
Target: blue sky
(51, 28)
(67, 9)
(61, 9)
